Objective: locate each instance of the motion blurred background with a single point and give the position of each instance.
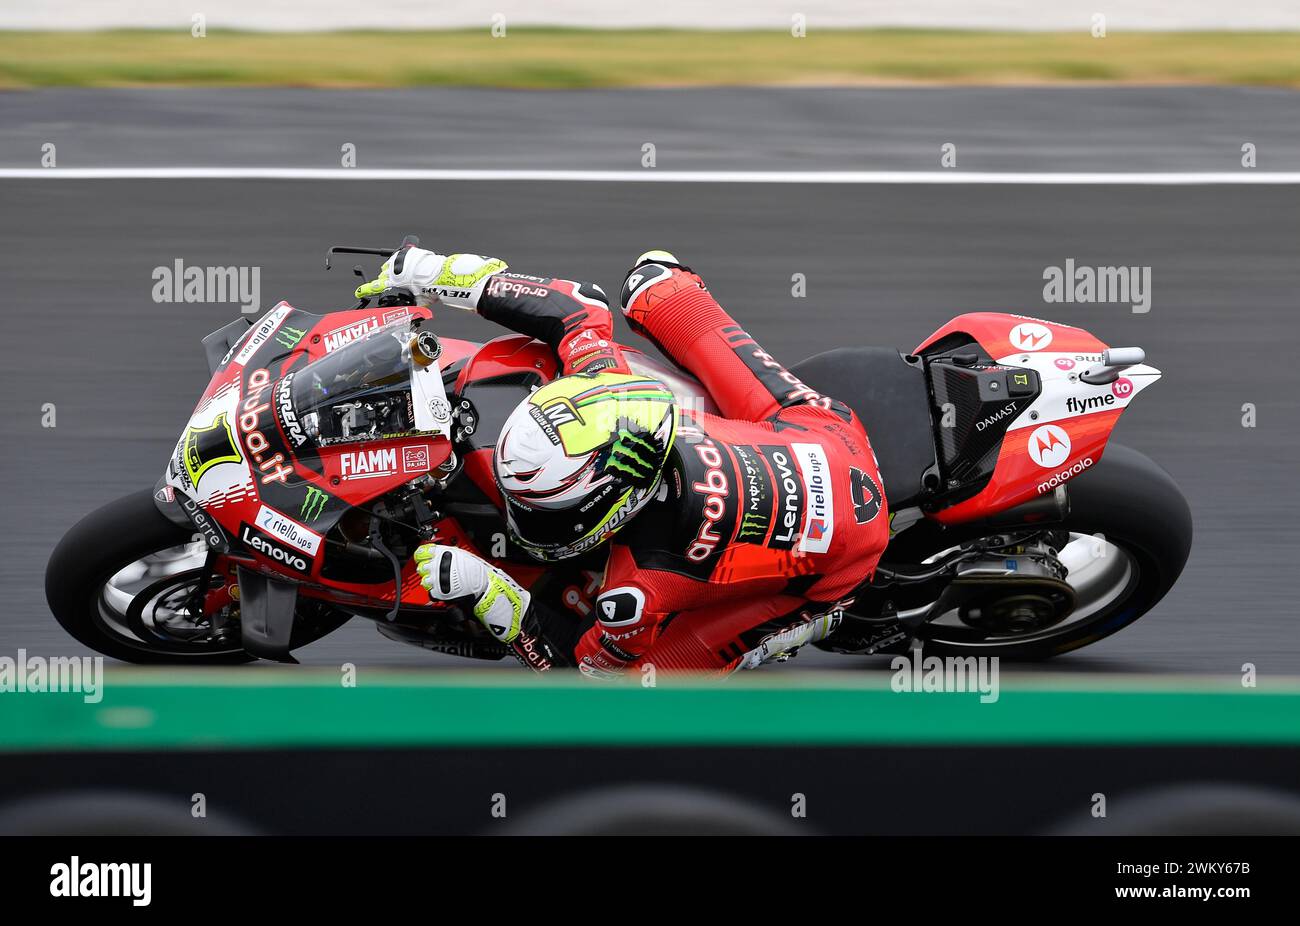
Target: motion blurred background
(1169, 99)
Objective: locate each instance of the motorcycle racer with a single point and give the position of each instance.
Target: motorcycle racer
(733, 539)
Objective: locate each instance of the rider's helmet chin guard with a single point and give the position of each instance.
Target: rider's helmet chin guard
(580, 456)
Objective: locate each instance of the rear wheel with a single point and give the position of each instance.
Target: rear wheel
(122, 581)
(1124, 544)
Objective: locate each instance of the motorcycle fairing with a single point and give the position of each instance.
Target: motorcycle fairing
(275, 493)
(266, 615)
(1064, 431)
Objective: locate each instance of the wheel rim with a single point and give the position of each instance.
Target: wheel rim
(143, 605)
(1102, 574)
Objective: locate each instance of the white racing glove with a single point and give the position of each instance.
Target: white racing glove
(457, 280)
(448, 573)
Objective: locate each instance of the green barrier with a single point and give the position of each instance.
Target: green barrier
(274, 708)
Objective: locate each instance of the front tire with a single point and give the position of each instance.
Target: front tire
(123, 535)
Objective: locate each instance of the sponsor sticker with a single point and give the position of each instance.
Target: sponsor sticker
(374, 464)
(755, 496)
(259, 542)
(288, 415)
(288, 530)
(289, 337)
(415, 459)
(819, 513)
(995, 417)
(368, 464)
(1030, 336)
(790, 505)
(263, 332)
(1082, 405)
(212, 534)
(1064, 474)
(716, 490)
(1049, 446)
(342, 337)
(313, 504)
(259, 446)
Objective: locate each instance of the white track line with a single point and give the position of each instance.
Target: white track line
(882, 177)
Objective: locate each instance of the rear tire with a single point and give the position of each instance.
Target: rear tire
(1127, 498)
(108, 540)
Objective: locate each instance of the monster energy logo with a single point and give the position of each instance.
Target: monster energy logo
(633, 454)
(752, 525)
(289, 336)
(313, 504)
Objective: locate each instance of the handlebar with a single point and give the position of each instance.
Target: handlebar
(409, 241)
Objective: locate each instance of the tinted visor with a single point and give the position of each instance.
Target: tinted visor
(549, 532)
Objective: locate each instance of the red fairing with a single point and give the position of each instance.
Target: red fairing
(1002, 334)
(1037, 454)
(506, 355)
(1034, 461)
(454, 349)
(289, 493)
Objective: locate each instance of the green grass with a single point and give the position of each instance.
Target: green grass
(572, 58)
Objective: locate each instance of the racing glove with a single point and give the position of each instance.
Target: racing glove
(451, 574)
(456, 280)
(505, 609)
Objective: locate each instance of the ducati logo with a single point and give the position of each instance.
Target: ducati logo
(1049, 446)
(1030, 336)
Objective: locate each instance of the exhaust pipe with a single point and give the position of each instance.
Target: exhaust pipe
(1046, 509)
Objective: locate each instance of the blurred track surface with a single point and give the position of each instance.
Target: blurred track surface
(993, 129)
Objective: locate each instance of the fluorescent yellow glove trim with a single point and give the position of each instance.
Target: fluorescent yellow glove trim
(374, 287)
(498, 586)
(486, 269)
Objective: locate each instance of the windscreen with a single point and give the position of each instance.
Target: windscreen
(359, 392)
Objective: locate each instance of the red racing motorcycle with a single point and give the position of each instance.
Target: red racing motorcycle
(326, 448)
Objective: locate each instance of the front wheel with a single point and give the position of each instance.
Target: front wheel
(122, 580)
(1124, 543)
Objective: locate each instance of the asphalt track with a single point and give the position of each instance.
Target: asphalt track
(884, 264)
(993, 129)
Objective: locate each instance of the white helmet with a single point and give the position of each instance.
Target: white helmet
(580, 456)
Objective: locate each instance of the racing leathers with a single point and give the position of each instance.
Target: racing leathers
(770, 514)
